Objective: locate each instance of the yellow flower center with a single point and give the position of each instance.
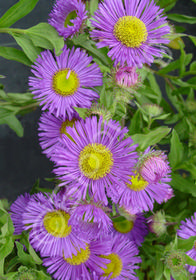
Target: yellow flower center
(71, 15)
(123, 226)
(65, 82)
(81, 257)
(131, 31)
(95, 161)
(56, 223)
(138, 183)
(114, 267)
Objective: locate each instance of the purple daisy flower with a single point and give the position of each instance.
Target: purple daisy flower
(17, 209)
(122, 259)
(65, 81)
(47, 218)
(67, 17)
(188, 229)
(78, 266)
(97, 158)
(51, 129)
(140, 192)
(134, 228)
(91, 217)
(133, 31)
(139, 195)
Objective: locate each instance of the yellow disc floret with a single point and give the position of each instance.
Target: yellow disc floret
(56, 223)
(123, 226)
(131, 31)
(65, 124)
(81, 257)
(137, 183)
(95, 161)
(65, 82)
(114, 267)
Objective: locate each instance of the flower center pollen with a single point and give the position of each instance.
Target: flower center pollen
(95, 161)
(123, 226)
(138, 183)
(65, 124)
(56, 223)
(114, 267)
(65, 82)
(131, 31)
(81, 257)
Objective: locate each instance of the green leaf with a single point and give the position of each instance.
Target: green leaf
(166, 4)
(151, 138)
(176, 151)
(17, 11)
(6, 246)
(14, 54)
(21, 98)
(193, 66)
(136, 124)
(83, 41)
(183, 185)
(190, 261)
(4, 113)
(3, 94)
(24, 258)
(154, 85)
(182, 18)
(44, 35)
(186, 244)
(14, 124)
(81, 111)
(27, 45)
(193, 39)
(93, 6)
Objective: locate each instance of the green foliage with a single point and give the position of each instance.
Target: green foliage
(155, 115)
(16, 12)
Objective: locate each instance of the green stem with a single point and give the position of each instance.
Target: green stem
(12, 30)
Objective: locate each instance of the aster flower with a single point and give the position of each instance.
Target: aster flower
(188, 229)
(134, 228)
(91, 217)
(139, 195)
(65, 81)
(126, 77)
(78, 266)
(47, 218)
(67, 16)
(133, 31)
(17, 209)
(97, 158)
(149, 184)
(51, 129)
(123, 259)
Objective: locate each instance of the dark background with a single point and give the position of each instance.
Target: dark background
(21, 159)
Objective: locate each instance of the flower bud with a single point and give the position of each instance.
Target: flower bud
(126, 77)
(157, 223)
(152, 110)
(153, 166)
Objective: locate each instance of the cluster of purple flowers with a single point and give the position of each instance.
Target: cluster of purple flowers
(74, 229)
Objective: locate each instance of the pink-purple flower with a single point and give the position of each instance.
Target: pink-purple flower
(187, 230)
(133, 31)
(97, 158)
(65, 81)
(68, 16)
